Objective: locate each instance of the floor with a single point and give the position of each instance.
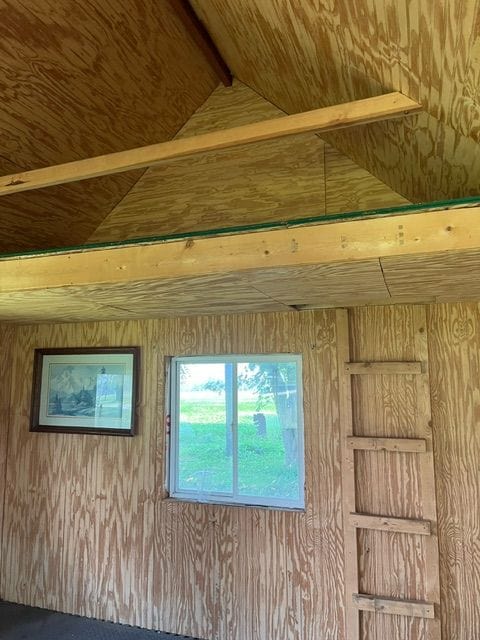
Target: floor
(18, 622)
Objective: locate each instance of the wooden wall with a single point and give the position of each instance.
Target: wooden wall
(87, 529)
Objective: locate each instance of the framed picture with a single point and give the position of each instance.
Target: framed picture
(85, 390)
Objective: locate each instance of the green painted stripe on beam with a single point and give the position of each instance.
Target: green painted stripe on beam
(263, 226)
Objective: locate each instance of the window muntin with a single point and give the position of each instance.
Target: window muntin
(237, 430)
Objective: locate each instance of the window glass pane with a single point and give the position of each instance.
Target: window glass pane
(204, 434)
(268, 430)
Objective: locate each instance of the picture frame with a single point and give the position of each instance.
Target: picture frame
(85, 390)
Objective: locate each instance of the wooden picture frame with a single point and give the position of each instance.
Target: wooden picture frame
(85, 390)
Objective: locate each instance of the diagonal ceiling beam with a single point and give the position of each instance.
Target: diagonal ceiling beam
(384, 107)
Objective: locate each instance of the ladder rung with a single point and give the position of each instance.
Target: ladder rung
(379, 368)
(407, 445)
(387, 523)
(392, 606)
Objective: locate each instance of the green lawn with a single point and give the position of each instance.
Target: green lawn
(205, 466)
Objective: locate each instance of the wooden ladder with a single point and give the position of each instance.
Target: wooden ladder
(353, 521)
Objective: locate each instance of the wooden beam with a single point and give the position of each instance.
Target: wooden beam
(202, 38)
(384, 107)
(383, 368)
(314, 245)
(412, 608)
(393, 525)
(400, 445)
(352, 619)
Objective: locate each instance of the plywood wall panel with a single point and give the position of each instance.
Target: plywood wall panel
(87, 529)
(455, 371)
(79, 511)
(6, 345)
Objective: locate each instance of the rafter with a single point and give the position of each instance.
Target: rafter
(384, 107)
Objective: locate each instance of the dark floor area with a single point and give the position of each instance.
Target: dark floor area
(18, 622)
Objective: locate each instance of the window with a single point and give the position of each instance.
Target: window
(237, 430)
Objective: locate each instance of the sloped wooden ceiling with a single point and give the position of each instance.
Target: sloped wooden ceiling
(302, 54)
(78, 79)
(285, 179)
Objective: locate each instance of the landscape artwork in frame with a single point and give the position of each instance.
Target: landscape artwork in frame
(85, 390)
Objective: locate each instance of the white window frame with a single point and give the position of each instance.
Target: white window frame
(233, 498)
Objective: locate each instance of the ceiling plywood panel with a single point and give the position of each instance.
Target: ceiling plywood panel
(54, 305)
(266, 182)
(181, 296)
(350, 188)
(83, 79)
(58, 216)
(302, 55)
(88, 78)
(263, 182)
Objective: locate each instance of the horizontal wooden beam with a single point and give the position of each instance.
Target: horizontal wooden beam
(383, 368)
(400, 445)
(352, 241)
(384, 107)
(392, 606)
(393, 525)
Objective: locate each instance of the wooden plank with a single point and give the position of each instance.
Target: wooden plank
(394, 607)
(427, 470)
(337, 242)
(388, 523)
(405, 445)
(352, 619)
(383, 368)
(360, 112)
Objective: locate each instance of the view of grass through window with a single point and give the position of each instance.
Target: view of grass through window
(238, 431)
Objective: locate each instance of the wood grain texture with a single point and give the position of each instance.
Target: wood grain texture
(350, 241)
(394, 607)
(6, 346)
(452, 276)
(268, 181)
(81, 80)
(331, 265)
(383, 368)
(391, 483)
(349, 497)
(350, 114)
(87, 529)
(394, 525)
(303, 54)
(454, 340)
(75, 503)
(412, 445)
(351, 188)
